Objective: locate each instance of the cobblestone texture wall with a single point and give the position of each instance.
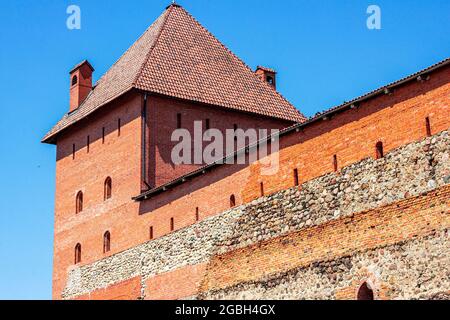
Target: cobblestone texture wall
(405, 172)
(416, 269)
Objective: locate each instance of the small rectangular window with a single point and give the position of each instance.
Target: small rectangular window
(172, 224)
(335, 163)
(118, 127)
(296, 183)
(103, 135)
(73, 151)
(178, 120)
(261, 189)
(197, 215)
(87, 143)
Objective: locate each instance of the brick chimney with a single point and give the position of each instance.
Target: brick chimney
(80, 83)
(267, 75)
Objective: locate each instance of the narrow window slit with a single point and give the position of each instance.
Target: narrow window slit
(379, 150)
(178, 120)
(296, 181)
(335, 163)
(232, 201)
(428, 126)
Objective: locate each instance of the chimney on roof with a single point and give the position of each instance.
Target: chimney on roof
(267, 75)
(80, 83)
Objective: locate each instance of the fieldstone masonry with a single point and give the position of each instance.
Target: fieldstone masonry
(422, 263)
(413, 269)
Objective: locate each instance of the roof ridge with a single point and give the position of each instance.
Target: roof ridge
(155, 43)
(238, 59)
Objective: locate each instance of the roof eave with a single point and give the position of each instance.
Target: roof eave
(51, 138)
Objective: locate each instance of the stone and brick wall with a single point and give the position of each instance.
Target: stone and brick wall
(383, 220)
(413, 164)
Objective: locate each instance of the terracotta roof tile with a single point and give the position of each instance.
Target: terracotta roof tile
(178, 57)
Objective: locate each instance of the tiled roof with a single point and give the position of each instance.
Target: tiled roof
(178, 57)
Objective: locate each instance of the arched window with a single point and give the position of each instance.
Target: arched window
(379, 150)
(106, 242)
(107, 189)
(365, 292)
(74, 80)
(79, 202)
(232, 201)
(77, 253)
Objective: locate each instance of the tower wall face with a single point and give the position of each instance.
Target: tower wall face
(97, 149)
(382, 221)
(162, 120)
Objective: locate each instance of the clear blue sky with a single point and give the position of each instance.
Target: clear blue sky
(323, 52)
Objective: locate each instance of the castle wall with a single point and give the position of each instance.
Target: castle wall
(383, 221)
(411, 269)
(356, 237)
(398, 120)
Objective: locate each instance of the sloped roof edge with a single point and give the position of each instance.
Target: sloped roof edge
(318, 117)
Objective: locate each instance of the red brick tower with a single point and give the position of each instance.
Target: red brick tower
(117, 135)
